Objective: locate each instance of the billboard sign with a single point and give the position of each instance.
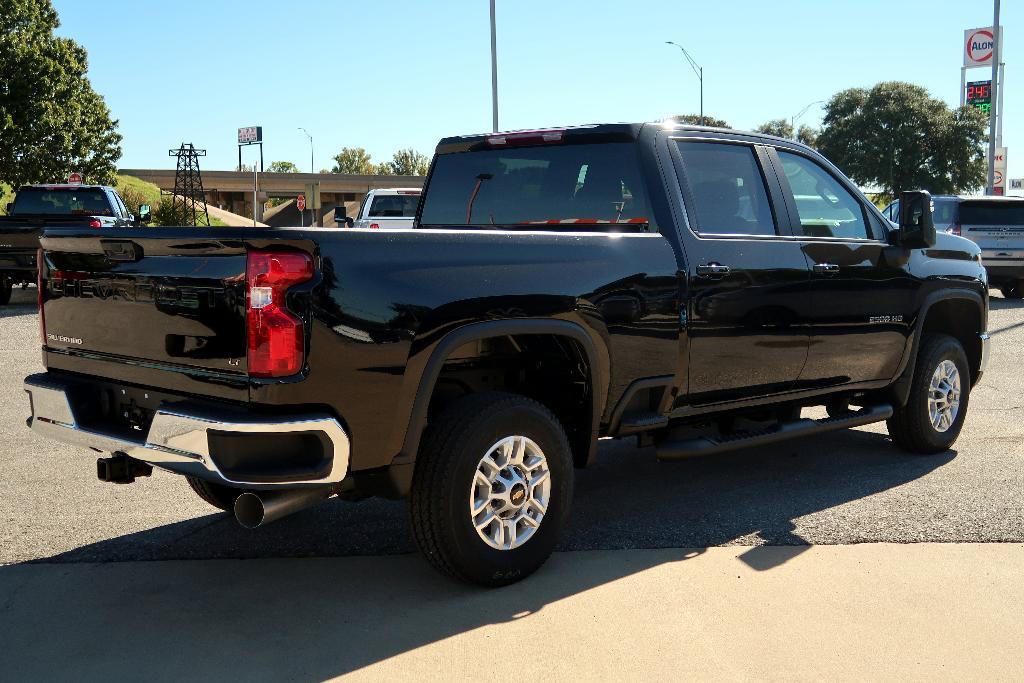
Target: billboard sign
(979, 44)
(999, 180)
(250, 135)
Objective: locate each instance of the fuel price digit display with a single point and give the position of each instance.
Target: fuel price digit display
(979, 94)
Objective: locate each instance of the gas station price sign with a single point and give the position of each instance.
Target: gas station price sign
(979, 94)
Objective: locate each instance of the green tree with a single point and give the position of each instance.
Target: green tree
(694, 119)
(282, 167)
(353, 160)
(807, 135)
(778, 127)
(408, 162)
(898, 137)
(51, 120)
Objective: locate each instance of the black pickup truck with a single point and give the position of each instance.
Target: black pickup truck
(691, 287)
(39, 206)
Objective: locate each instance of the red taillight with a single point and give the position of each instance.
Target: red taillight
(954, 229)
(525, 137)
(277, 344)
(39, 295)
(95, 224)
(374, 226)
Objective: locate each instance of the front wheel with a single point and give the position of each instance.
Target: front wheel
(492, 487)
(6, 287)
(934, 415)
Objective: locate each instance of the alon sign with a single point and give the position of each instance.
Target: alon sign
(979, 43)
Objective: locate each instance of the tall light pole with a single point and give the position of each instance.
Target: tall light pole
(995, 99)
(793, 119)
(697, 70)
(312, 168)
(494, 72)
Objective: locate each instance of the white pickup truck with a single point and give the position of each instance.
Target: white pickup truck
(388, 209)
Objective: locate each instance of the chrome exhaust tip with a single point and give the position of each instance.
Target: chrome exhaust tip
(254, 509)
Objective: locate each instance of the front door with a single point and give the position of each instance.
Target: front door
(862, 294)
(747, 284)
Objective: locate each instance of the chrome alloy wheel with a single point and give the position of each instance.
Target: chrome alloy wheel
(944, 396)
(510, 492)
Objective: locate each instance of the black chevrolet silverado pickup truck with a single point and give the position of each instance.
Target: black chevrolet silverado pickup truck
(694, 288)
(36, 207)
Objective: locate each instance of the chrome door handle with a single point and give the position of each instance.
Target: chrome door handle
(826, 268)
(712, 271)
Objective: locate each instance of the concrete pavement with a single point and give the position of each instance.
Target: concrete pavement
(869, 611)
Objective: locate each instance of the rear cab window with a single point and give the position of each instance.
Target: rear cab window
(992, 212)
(393, 206)
(590, 186)
(62, 202)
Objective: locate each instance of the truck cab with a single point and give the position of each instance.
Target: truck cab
(388, 209)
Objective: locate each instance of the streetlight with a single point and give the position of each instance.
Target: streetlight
(312, 168)
(494, 72)
(792, 119)
(697, 70)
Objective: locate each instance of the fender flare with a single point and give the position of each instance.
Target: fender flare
(901, 386)
(597, 361)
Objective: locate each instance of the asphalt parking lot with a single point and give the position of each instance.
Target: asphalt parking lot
(847, 487)
(89, 572)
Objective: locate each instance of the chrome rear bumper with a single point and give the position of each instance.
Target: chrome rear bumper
(178, 437)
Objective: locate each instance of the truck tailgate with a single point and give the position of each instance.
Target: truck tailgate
(163, 300)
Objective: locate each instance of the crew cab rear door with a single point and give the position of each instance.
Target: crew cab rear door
(747, 283)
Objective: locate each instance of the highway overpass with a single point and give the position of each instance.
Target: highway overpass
(232, 190)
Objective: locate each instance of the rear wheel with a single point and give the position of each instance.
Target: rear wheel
(1013, 291)
(492, 487)
(219, 496)
(933, 417)
(6, 286)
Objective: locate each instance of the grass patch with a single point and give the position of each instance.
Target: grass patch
(135, 191)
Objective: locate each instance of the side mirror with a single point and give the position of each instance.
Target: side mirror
(917, 229)
(145, 213)
(341, 216)
(10, 207)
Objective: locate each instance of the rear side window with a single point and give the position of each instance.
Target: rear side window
(568, 186)
(61, 202)
(394, 206)
(943, 211)
(728, 189)
(992, 213)
(826, 208)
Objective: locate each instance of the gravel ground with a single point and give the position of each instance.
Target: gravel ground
(847, 487)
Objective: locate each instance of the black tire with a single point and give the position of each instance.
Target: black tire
(6, 287)
(219, 496)
(452, 449)
(1012, 291)
(910, 426)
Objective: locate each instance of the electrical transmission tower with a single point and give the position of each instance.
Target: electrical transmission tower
(189, 201)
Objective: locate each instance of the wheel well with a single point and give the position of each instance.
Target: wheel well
(549, 368)
(961, 319)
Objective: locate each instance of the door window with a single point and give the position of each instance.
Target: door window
(826, 208)
(728, 189)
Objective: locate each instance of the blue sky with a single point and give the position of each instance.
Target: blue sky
(388, 75)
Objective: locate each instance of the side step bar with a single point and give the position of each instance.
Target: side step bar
(702, 445)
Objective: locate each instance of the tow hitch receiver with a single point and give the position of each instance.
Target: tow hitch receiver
(121, 469)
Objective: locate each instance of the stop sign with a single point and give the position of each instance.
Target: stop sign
(300, 203)
(75, 178)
